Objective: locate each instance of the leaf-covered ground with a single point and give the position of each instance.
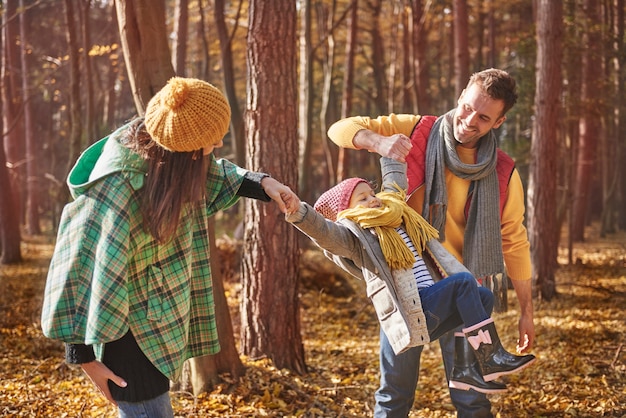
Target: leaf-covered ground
(581, 368)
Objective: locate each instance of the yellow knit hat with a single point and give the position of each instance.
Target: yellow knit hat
(187, 115)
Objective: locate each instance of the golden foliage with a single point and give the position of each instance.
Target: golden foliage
(581, 371)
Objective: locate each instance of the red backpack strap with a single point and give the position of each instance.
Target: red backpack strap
(416, 160)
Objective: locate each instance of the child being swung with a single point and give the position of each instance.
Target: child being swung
(379, 238)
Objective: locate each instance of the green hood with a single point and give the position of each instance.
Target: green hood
(106, 157)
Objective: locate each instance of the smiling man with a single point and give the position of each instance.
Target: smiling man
(471, 192)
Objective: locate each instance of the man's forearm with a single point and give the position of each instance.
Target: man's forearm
(523, 290)
(366, 139)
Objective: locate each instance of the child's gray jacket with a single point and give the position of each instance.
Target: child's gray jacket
(394, 294)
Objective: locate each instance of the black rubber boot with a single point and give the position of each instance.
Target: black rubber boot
(466, 374)
(493, 359)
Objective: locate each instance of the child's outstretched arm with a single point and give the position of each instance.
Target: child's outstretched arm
(328, 235)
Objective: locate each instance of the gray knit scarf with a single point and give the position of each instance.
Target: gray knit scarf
(482, 248)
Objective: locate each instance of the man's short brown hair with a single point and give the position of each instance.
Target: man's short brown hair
(498, 84)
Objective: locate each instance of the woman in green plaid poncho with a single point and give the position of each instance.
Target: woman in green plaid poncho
(129, 287)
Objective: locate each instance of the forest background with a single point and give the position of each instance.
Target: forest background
(74, 70)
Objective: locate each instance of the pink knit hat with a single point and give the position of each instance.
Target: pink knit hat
(337, 198)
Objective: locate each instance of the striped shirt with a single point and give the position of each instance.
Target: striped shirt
(420, 271)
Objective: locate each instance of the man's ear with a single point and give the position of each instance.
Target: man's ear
(499, 122)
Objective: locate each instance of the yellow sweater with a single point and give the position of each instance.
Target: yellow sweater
(515, 245)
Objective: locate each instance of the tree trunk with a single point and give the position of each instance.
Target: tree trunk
(325, 25)
(227, 360)
(573, 63)
(481, 35)
(612, 174)
(379, 62)
(154, 47)
(348, 73)
(343, 154)
(393, 53)
(461, 49)
(89, 83)
(270, 306)
(305, 102)
(542, 190)
(75, 116)
(621, 102)
(10, 235)
(407, 97)
(236, 121)
(179, 44)
(202, 63)
(146, 52)
(110, 97)
(203, 372)
(491, 40)
(33, 192)
(420, 48)
(590, 121)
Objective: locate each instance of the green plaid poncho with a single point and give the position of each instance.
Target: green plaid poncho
(108, 275)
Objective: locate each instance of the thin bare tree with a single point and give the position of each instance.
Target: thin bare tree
(461, 48)
(542, 189)
(343, 155)
(420, 61)
(407, 96)
(75, 103)
(228, 72)
(379, 61)
(10, 222)
(33, 192)
(590, 122)
(179, 41)
(305, 102)
(10, 236)
(612, 202)
(326, 16)
(89, 83)
(620, 94)
(146, 51)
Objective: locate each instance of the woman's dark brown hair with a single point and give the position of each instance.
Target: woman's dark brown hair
(175, 182)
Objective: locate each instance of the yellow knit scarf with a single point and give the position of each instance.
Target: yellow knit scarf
(393, 213)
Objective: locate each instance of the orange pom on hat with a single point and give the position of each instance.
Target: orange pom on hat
(187, 115)
(337, 198)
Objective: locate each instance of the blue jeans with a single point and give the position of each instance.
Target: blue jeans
(457, 300)
(159, 407)
(442, 304)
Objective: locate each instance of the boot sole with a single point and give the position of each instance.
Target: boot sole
(494, 376)
(464, 386)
